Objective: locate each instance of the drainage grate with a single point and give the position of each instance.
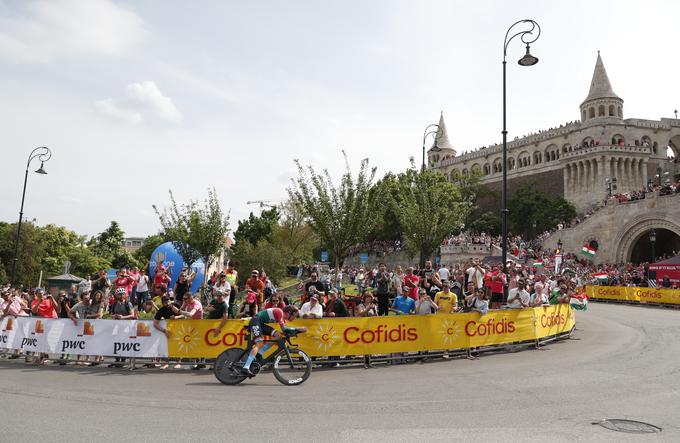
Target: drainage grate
(630, 426)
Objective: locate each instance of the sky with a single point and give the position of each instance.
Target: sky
(136, 98)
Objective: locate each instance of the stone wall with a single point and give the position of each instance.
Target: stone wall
(617, 227)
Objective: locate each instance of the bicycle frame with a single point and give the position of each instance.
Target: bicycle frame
(283, 344)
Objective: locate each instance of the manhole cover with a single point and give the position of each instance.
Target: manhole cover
(630, 426)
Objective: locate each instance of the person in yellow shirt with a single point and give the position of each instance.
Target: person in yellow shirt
(446, 300)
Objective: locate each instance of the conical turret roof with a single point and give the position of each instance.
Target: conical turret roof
(443, 136)
(600, 87)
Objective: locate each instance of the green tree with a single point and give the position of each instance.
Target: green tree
(63, 245)
(256, 228)
(429, 208)
(108, 246)
(388, 224)
(264, 255)
(196, 230)
(143, 254)
(341, 216)
(488, 222)
(294, 236)
(529, 205)
(31, 251)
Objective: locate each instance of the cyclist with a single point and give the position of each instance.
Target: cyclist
(259, 327)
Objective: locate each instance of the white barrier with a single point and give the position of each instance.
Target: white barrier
(132, 338)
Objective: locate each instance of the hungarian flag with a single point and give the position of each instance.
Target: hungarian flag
(601, 276)
(568, 271)
(588, 251)
(539, 264)
(579, 302)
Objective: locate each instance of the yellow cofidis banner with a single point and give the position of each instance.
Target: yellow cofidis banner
(382, 335)
(628, 293)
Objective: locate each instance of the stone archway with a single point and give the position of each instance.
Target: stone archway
(674, 144)
(630, 235)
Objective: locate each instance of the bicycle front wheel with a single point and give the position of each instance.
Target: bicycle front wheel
(226, 366)
(292, 368)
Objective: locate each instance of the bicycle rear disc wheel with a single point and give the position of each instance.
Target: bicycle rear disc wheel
(223, 366)
(294, 370)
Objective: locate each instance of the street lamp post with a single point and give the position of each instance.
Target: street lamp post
(43, 154)
(527, 38)
(652, 241)
(426, 134)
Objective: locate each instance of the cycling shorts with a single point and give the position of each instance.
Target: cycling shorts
(258, 329)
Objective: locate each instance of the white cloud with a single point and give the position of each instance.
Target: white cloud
(41, 31)
(142, 102)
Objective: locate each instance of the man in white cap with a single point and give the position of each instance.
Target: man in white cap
(312, 309)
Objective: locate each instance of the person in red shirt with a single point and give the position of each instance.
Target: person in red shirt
(123, 280)
(255, 285)
(161, 276)
(44, 306)
(497, 282)
(411, 281)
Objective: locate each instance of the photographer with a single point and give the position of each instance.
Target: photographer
(425, 305)
(382, 289)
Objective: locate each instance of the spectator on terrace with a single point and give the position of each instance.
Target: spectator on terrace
(256, 285)
(183, 283)
(336, 306)
(367, 308)
(312, 308)
(249, 306)
(411, 283)
(147, 312)
(275, 302)
(398, 281)
(191, 308)
(497, 284)
(425, 305)
(403, 304)
(121, 309)
(12, 304)
(102, 283)
(142, 288)
(123, 280)
(518, 297)
(44, 306)
(84, 285)
(80, 309)
(538, 297)
(446, 301)
(313, 287)
(666, 282)
(476, 274)
(382, 289)
(477, 302)
(165, 312)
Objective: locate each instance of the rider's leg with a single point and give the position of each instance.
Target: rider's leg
(266, 346)
(253, 353)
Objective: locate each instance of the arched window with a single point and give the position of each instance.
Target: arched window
(583, 116)
(600, 111)
(612, 111)
(587, 142)
(591, 112)
(654, 147)
(618, 140)
(646, 141)
(552, 155)
(487, 169)
(620, 113)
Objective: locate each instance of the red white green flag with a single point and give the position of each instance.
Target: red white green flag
(588, 251)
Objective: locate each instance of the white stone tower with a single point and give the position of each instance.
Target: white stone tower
(602, 105)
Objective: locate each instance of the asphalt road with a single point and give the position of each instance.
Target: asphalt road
(623, 363)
